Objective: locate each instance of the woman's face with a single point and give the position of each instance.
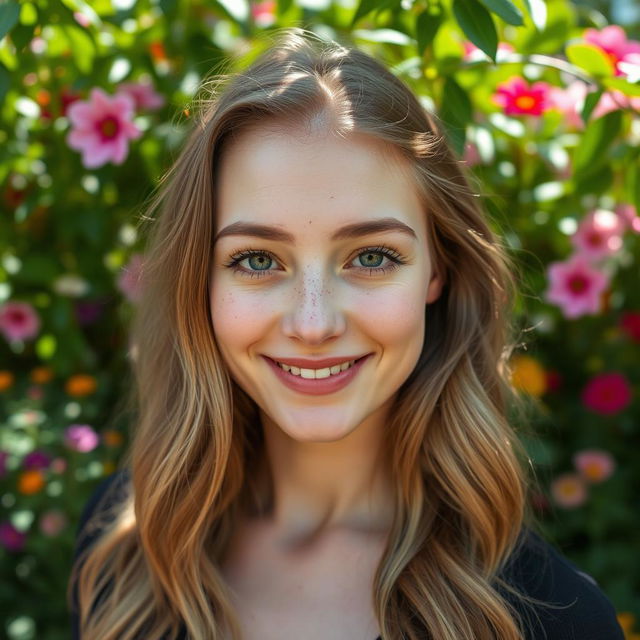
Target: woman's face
(314, 285)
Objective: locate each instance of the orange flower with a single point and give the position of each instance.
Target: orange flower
(30, 481)
(528, 375)
(41, 375)
(81, 385)
(6, 380)
(112, 438)
(157, 51)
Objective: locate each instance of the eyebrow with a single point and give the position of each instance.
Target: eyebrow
(347, 232)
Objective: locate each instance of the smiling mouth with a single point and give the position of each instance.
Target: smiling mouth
(321, 373)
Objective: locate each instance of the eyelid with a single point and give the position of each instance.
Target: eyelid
(395, 258)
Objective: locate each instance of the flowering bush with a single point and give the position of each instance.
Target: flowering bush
(540, 99)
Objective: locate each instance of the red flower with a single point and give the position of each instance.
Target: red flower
(517, 97)
(607, 393)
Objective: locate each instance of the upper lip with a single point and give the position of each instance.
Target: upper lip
(306, 363)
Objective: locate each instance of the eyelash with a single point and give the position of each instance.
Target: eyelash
(390, 253)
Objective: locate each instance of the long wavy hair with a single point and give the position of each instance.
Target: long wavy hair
(460, 472)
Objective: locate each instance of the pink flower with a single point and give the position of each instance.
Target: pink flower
(10, 538)
(607, 394)
(569, 490)
(58, 465)
(569, 101)
(471, 154)
(81, 437)
(36, 460)
(517, 97)
(52, 522)
(102, 127)
(630, 324)
(18, 321)
(142, 93)
(264, 13)
(599, 234)
(130, 279)
(613, 41)
(472, 53)
(614, 100)
(594, 465)
(575, 286)
(629, 217)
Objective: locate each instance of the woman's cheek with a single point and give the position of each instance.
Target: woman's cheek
(391, 315)
(238, 318)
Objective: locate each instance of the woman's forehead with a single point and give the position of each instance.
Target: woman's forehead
(278, 179)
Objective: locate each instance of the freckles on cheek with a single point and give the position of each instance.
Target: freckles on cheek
(238, 319)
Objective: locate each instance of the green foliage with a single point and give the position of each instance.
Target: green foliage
(547, 122)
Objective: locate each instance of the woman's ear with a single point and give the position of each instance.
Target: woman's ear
(435, 286)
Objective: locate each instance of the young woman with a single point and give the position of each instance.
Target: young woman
(321, 449)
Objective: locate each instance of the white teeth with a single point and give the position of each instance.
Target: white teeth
(310, 374)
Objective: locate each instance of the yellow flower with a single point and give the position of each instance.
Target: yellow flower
(81, 385)
(627, 620)
(112, 438)
(41, 375)
(528, 375)
(6, 380)
(30, 481)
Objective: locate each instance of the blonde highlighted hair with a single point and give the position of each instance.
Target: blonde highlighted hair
(459, 472)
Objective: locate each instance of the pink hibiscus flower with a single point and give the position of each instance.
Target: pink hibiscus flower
(81, 437)
(613, 41)
(569, 101)
(594, 465)
(18, 321)
(599, 234)
(102, 127)
(607, 393)
(142, 93)
(575, 286)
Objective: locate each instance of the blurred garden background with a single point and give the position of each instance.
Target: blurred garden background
(541, 100)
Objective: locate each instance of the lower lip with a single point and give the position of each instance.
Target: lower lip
(317, 387)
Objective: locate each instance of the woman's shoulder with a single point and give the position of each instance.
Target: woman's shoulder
(574, 605)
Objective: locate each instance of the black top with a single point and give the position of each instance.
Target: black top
(536, 569)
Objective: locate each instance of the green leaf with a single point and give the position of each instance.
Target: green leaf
(82, 47)
(456, 105)
(589, 104)
(598, 136)
(9, 14)
(367, 6)
(590, 58)
(427, 25)
(538, 12)
(5, 80)
(620, 84)
(477, 24)
(506, 10)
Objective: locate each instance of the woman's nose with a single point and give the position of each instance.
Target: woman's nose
(314, 313)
